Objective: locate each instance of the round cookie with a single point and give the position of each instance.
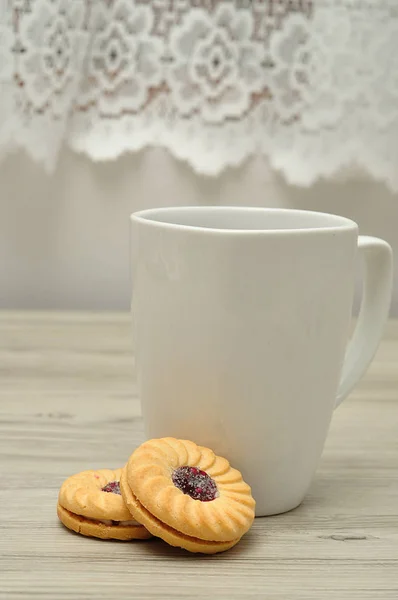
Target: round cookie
(90, 503)
(187, 495)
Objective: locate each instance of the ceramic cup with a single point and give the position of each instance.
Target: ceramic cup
(241, 319)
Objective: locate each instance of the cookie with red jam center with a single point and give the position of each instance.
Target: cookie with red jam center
(186, 495)
(90, 503)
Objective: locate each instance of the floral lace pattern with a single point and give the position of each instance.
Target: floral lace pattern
(216, 65)
(311, 84)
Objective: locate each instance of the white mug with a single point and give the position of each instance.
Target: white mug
(241, 318)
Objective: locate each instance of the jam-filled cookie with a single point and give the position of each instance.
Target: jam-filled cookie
(186, 495)
(90, 503)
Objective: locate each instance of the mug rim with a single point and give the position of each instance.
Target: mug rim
(332, 223)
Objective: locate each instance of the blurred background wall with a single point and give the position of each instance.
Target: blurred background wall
(64, 238)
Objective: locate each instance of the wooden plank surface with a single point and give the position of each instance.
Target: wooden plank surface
(68, 402)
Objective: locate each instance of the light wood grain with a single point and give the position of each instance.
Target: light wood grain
(68, 402)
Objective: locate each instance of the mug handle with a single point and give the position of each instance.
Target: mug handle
(377, 255)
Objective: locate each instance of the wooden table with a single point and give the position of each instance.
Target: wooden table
(69, 402)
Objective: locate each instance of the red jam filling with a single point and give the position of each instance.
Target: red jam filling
(195, 483)
(113, 487)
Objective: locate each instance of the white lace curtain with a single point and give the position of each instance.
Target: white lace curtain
(311, 84)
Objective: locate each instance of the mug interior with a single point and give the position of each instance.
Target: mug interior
(243, 218)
